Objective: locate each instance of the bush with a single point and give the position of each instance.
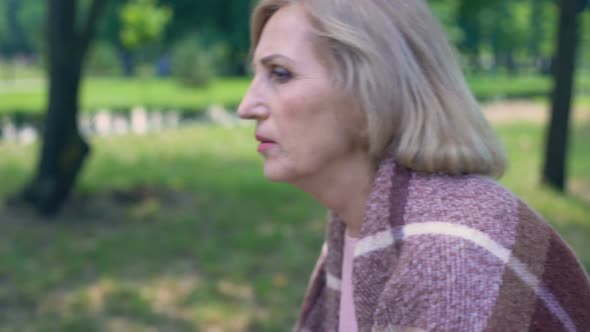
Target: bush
(195, 63)
(103, 60)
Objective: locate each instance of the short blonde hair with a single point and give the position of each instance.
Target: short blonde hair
(394, 57)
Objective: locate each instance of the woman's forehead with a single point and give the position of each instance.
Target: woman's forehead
(287, 33)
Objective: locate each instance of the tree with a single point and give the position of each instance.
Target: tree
(19, 27)
(446, 11)
(63, 149)
(543, 17)
(219, 22)
(13, 39)
(224, 21)
(554, 170)
(585, 41)
(142, 24)
(18, 39)
(469, 19)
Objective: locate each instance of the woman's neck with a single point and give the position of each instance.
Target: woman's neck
(344, 188)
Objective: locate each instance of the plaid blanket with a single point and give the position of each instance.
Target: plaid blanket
(449, 253)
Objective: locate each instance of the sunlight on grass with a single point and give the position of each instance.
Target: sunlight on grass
(123, 94)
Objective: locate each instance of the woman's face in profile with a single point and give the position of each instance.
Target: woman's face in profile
(306, 126)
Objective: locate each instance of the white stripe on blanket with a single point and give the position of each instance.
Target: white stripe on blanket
(374, 242)
(397, 328)
(385, 238)
(333, 282)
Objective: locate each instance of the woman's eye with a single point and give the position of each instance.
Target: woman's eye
(281, 75)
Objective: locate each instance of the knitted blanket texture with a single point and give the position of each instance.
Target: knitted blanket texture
(449, 253)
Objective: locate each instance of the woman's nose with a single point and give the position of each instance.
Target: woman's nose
(252, 106)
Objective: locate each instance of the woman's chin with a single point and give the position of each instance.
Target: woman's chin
(276, 174)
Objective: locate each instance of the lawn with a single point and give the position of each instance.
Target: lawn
(180, 231)
(122, 94)
(176, 230)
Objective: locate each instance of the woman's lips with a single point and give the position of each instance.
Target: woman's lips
(264, 146)
(265, 143)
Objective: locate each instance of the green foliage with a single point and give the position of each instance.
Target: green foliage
(483, 30)
(3, 27)
(508, 24)
(19, 26)
(143, 22)
(194, 63)
(584, 54)
(445, 11)
(103, 60)
(517, 33)
(543, 25)
(227, 20)
(492, 35)
(31, 16)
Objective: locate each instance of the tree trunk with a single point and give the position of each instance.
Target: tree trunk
(554, 171)
(64, 150)
(511, 64)
(127, 62)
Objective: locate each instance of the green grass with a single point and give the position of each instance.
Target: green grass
(570, 213)
(180, 231)
(123, 94)
(220, 241)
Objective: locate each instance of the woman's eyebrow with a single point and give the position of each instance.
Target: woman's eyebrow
(270, 58)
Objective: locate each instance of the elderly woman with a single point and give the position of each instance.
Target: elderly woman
(361, 104)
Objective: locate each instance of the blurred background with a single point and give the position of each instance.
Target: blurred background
(132, 198)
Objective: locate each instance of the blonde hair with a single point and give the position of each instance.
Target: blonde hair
(394, 57)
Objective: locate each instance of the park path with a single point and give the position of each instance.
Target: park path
(505, 112)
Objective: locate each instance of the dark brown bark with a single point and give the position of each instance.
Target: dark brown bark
(555, 166)
(63, 150)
